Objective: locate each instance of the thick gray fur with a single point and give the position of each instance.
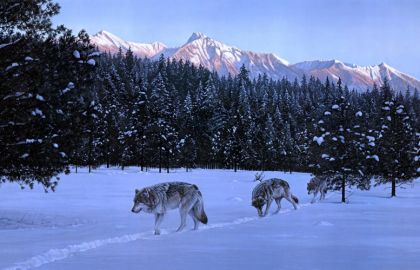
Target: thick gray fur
(160, 198)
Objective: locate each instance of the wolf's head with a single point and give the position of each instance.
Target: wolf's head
(311, 186)
(258, 203)
(143, 200)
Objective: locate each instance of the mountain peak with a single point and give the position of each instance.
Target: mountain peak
(102, 32)
(195, 36)
(109, 42)
(383, 64)
(106, 34)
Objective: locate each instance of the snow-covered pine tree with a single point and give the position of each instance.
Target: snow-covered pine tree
(335, 149)
(270, 139)
(45, 71)
(140, 122)
(108, 128)
(164, 112)
(88, 152)
(128, 95)
(203, 111)
(396, 143)
(187, 144)
(218, 128)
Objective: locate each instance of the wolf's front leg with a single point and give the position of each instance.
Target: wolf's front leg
(268, 206)
(183, 214)
(323, 194)
(278, 201)
(314, 198)
(158, 221)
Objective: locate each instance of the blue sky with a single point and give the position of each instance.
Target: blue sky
(363, 32)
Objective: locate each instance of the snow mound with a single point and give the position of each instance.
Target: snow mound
(324, 224)
(235, 199)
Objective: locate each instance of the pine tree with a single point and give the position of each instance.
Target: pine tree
(164, 111)
(336, 152)
(47, 71)
(396, 143)
(109, 119)
(187, 143)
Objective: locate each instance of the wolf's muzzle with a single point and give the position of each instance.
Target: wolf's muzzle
(134, 210)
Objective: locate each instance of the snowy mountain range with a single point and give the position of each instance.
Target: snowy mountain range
(215, 55)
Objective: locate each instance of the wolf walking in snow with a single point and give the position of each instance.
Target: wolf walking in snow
(318, 184)
(159, 198)
(272, 189)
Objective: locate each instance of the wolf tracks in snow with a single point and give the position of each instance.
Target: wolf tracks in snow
(58, 254)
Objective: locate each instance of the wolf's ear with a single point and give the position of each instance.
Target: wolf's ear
(146, 192)
(152, 195)
(137, 191)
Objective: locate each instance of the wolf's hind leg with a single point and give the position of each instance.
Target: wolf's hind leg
(278, 202)
(158, 221)
(291, 201)
(183, 211)
(196, 222)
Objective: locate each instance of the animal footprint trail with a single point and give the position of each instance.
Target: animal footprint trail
(59, 254)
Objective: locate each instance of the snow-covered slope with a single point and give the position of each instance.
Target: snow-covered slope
(87, 224)
(358, 77)
(215, 55)
(109, 42)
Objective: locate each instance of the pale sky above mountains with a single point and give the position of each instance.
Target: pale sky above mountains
(363, 32)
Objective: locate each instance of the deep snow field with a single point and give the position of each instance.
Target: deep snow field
(87, 224)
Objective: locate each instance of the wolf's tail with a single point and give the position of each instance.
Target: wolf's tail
(295, 199)
(199, 209)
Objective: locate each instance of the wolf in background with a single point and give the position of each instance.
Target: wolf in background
(272, 189)
(160, 198)
(318, 184)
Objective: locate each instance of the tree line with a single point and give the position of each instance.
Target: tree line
(62, 103)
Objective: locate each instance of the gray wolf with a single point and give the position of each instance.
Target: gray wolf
(160, 198)
(318, 184)
(272, 189)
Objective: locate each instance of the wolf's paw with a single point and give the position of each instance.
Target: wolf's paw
(157, 232)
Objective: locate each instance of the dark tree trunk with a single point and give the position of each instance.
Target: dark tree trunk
(160, 159)
(167, 162)
(343, 189)
(393, 190)
(107, 155)
(142, 159)
(90, 150)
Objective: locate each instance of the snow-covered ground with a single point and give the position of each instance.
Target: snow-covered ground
(87, 224)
